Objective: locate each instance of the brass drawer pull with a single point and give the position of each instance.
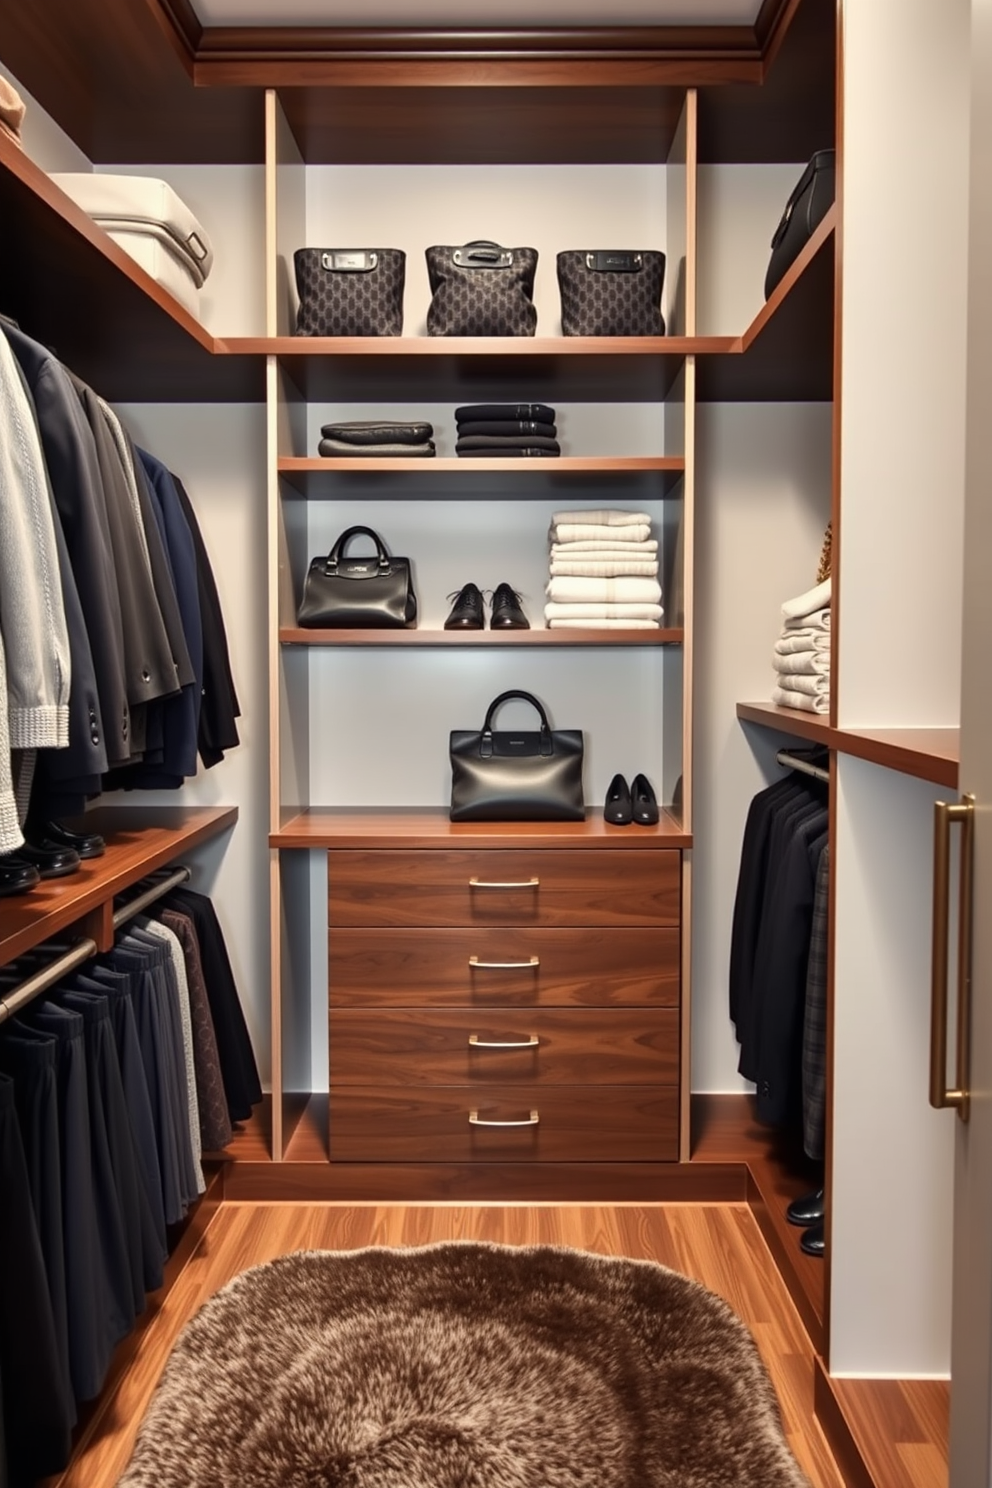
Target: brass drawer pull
(475, 1042)
(963, 813)
(482, 883)
(474, 1119)
(503, 965)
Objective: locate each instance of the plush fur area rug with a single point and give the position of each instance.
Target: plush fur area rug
(463, 1365)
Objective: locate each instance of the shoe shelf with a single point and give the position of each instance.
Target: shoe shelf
(139, 841)
(390, 828)
(927, 753)
(291, 635)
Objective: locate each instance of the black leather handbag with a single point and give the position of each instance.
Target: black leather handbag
(611, 292)
(350, 291)
(804, 211)
(373, 592)
(517, 775)
(481, 289)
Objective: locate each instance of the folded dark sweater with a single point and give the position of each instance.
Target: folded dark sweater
(508, 426)
(539, 412)
(378, 431)
(523, 451)
(496, 444)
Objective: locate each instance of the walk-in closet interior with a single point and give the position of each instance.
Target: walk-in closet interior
(550, 1012)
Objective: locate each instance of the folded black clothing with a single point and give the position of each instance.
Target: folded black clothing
(508, 426)
(540, 412)
(338, 449)
(497, 442)
(523, 452)
(376, 431)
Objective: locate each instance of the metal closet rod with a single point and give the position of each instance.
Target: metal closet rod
(805, 767)
(82, 950)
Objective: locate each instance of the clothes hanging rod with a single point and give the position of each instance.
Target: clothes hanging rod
(796, 762)
(82, 950)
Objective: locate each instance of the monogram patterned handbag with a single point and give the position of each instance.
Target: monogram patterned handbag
(611, 292)
(481, 289)
(350, 291)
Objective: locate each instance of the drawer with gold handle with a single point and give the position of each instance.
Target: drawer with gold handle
(542, 1046)
(521, 966)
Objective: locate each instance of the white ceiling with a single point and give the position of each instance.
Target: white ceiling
(459, 14)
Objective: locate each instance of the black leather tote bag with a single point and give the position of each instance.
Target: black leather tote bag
(481, 289)
(373, 592)
(804, 211)
(517, 775)
(350, 291)
(611, 292)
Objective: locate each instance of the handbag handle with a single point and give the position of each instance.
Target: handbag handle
(486, 743)
(482, 253)
(337, 552)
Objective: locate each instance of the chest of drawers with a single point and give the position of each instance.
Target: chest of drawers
(506, 1005)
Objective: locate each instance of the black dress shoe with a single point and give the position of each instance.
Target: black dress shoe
(814, 1241)
(507, 614)
(468, 610)
(644, 806)
(86, 844)
(16, 876)
(808, 1210)
(618, 809)
(50, 859)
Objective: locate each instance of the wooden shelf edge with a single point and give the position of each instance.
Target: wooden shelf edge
(931, 754)
(139, 841)
(823, 234)
(321, 828)
(558, 465)
(295, 636)
(505, 347)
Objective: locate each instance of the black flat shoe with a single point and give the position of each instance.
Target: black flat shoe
(468, 610)
(507, 614)
(643, 802)
(16, 876)
(86, 844)
(51, 860)
(809, 1210)
(618, 809)
(814, 1240)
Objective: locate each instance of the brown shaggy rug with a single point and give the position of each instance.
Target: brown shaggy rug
(463, 1365)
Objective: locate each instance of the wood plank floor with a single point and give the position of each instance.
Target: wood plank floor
(719, 1245)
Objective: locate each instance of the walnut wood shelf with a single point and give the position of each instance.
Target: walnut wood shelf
(295, 636)
(139, 840)
(70, 286)
(315, 476)
(926, 753)
(429, 826)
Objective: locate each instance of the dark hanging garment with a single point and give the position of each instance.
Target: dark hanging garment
(242, 1086)
(219, 707)
(815, 1020)
(29, 1058)
(215, 1122)
(37, 1415)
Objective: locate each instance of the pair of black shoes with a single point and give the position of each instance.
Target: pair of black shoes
(50, 851)
(809, 1213)
(631, 803)
(469, 610)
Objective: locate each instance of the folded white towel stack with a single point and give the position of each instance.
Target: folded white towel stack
(603, 571)
(801, 658)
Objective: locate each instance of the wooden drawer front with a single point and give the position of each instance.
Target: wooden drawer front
(601, 1046)
(637, 967)
(611, 1124)
(554, 887)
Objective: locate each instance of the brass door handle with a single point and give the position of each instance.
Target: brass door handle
(503, 965)
(945, 815)
(474, 1119)
(475, 1042)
